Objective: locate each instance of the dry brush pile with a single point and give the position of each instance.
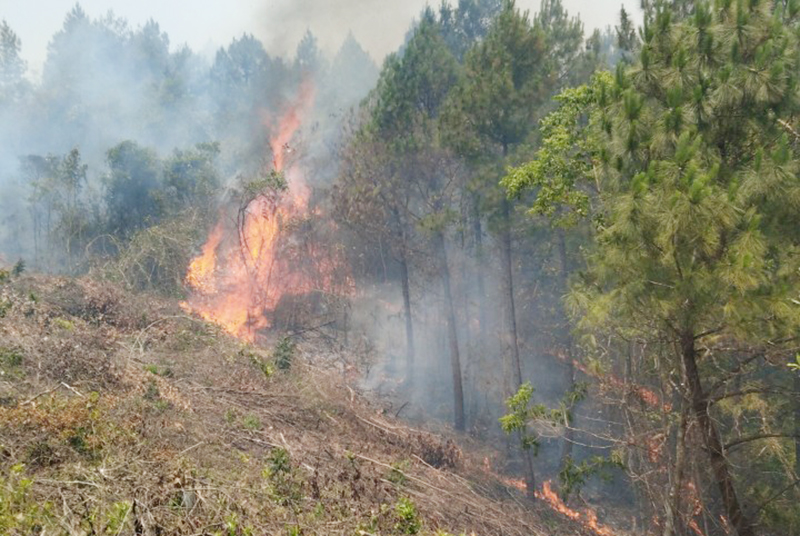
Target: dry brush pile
(121, 415)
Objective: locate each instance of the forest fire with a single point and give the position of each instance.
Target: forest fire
(647, 396)
(242, 275)
(588, 518)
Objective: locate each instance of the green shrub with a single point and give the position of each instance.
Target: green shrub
(19, 513)
(284, 353)
(251, 422)
(408, 521)
(10, 358)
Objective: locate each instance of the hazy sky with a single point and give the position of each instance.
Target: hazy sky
(205, 25)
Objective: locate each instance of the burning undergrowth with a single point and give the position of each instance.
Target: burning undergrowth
(270, 257)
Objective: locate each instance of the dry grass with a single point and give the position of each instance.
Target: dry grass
(121, 415)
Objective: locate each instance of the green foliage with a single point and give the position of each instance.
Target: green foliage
(285, 482)
(190, 179)
(266, 367)
(18, 269)
(166, 372)
(397, 474)
(682, 164)
(19, 513)
(278, 462)
(564, 158)
(231, 416)
(574, 476)
(251, 422)
(272, 184)
(10, 357)
(11, 361)
(118, 517)
(151, 392)
(135, 175)
(155, 258)
(63, 323)
(284, 353)
(408, 521)
(522, 412)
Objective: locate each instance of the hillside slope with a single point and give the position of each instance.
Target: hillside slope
(119, 414)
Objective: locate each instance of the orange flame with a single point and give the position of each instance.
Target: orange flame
(289, 124)
(588, 518)
(645, 395)
(241, 276)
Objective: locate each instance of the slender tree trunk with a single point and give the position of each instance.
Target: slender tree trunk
(452, 335)
(407, 311)
(511, 313)
(569, 372)
(673, 524)
(711, 439)
(797, 424)
(478, 231)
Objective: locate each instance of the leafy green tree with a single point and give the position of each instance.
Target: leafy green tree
(686, 161)
(190, 180)
(135, 175)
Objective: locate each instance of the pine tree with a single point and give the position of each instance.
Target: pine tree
(12, 66)
(397, 174)
(687, 163)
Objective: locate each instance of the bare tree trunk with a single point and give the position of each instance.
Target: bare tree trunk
(569, 372)
(478, 231)
(455, 360)
(511, 313)
(673, 524)
(797, 424)
(407, 311)
(711, 439)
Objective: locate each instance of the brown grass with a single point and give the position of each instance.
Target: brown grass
(129, 417)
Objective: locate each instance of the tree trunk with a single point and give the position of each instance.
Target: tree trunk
(407, 311)
(797, 424)
(511, 313)
(711, 439)
(569, 372)
(452, 335)
(478, 231)
(673, 524)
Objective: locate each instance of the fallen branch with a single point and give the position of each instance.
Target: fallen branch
(71, 388)
(32, 399)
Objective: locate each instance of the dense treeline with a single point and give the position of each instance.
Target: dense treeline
(124, 133)
(600, 229)
(657, 263)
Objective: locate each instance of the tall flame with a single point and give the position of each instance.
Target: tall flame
(240, 276)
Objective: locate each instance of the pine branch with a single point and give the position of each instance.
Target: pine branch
(757, 437)
(745, 392)
(775, 497)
